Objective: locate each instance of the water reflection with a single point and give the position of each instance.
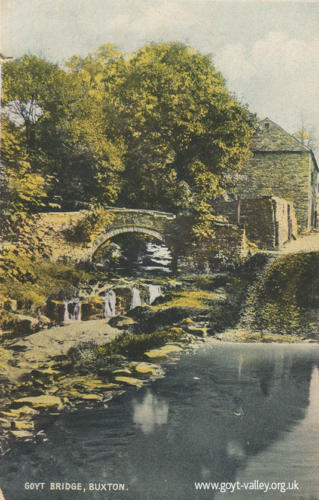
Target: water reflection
(223, 413)
(150, 412)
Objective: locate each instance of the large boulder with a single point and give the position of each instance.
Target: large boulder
(19, 324)
(55, 310)
(123, 299)
(92, 308)
(10, 305)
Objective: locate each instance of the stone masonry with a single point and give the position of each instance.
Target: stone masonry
(283, 167)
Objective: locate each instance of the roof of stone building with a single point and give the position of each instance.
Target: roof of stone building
(271, 137)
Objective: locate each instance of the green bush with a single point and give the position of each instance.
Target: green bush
(85, 228)
(31, 281)
(133, 345)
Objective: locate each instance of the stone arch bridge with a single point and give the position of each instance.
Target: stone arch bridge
(62, 232)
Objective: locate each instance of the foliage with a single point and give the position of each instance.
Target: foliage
(31, 281)
(65, 127)
(28, 88)
(23, 189)
(185, 133)
(307, 137)
(158, 129)
(134, 346)
(85, 229)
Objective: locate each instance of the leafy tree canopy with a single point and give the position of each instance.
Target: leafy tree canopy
(156, 129)
(185, 133)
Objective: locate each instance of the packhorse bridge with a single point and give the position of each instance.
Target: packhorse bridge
(78, 235)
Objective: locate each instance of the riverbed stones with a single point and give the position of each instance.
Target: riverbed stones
(122, 371)
(22, 434)
(146, 368)
(73, 394)
(130, 381)
(24, 325)
(17, 412)
(163, 351)
(25, 425)
(43, 401)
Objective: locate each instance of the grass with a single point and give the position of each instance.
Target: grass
(133, 346)
(246, 335)
(283, 298)
(188, 298)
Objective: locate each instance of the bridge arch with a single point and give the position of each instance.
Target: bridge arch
(108, 234)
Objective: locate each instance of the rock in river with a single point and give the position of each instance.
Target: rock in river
(43, 401)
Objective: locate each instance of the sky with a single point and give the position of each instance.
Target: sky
(268, 51)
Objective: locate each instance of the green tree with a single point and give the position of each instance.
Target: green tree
(307, 137)
(65, 116)
(186, 135)
(28, 90)
(92, 124)
(23, 191)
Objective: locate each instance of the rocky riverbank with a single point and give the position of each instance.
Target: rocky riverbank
(74, 367)
(85, 364)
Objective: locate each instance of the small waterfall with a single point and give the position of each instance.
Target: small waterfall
(136, 298)
(154, 291)
(72, 310)
(109, 304)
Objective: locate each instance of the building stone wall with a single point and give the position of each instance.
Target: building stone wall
(269, 222)
(284, 175)
(283, 167)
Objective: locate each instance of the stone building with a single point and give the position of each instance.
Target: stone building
(281, 167)
(269, 222)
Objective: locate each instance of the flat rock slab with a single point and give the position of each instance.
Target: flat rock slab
(43, 401)
(163, 351)
(130, 381)
(31, 351)
(146, 368)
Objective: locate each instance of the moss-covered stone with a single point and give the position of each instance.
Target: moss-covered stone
(162, 352)
(55, 310)
(10, 305)
(19, 324)
(146, 368)
(122, 322)
(43, 401)
(123, 299)
(92, 308)
(129, 381)
(286, 296)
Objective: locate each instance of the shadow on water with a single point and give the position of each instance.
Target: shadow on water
(225, 412)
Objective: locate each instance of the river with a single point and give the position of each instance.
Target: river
(222, 413)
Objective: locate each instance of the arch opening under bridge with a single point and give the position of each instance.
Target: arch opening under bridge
(111, 233)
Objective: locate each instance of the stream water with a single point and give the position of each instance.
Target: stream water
(223, 413)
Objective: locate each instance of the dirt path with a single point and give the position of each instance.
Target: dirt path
(306, 243)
